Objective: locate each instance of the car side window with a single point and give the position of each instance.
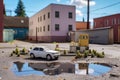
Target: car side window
(41, 49)
(36, 49)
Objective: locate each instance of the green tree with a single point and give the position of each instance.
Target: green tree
(20, 10)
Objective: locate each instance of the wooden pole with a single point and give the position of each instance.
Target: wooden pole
(88, 12)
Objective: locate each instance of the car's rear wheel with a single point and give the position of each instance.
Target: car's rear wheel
(48, 57)
(32, 56)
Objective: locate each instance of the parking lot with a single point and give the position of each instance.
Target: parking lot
(111, 51)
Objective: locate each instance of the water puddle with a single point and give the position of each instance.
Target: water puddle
(56, 68)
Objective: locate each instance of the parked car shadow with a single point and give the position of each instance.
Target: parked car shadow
(39, 59)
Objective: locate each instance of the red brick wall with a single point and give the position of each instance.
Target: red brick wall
(81, 25)
(109, 21)
(1, 20)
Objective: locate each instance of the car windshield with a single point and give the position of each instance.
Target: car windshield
(46, 49)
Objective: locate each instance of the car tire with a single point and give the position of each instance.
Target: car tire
(48, 57)
(56, 58)
(32, 55)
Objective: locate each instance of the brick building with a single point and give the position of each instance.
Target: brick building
(52, 24)
(110, 21)
(81, 25)
(1, 20)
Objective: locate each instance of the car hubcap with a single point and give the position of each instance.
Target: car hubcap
(32, 56)
(48, 57)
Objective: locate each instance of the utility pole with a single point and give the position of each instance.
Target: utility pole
(88, 26)
(88, 13)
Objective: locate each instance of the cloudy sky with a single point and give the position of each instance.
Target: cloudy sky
(98, 8)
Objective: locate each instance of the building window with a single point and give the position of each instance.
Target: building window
(40, 29)
(107, 22)
(48, 27)
(57, 14)
(114, 20)
(70, 28)
(48, 15)
(56, 27)
(119, 21)
(70, 15)
(43, 28)
(40, 18)
(94, 23)
(44, 17)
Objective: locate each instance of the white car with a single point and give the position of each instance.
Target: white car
(44, 53)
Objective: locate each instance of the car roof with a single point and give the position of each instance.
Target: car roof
(39, 47)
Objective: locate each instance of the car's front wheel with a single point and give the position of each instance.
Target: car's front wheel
(48, 57)
(57, 58)
(32, 56)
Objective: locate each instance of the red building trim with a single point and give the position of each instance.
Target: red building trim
(1, 20)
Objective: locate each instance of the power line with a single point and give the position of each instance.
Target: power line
(25, 11)
(9, 12)
(106, 6)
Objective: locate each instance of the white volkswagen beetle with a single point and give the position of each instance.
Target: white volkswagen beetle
(44, 53)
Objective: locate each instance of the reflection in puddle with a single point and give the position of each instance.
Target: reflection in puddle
(26, 70)
(91, 69)
(55, 68)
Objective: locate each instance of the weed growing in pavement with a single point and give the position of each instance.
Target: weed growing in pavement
(92, 53)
